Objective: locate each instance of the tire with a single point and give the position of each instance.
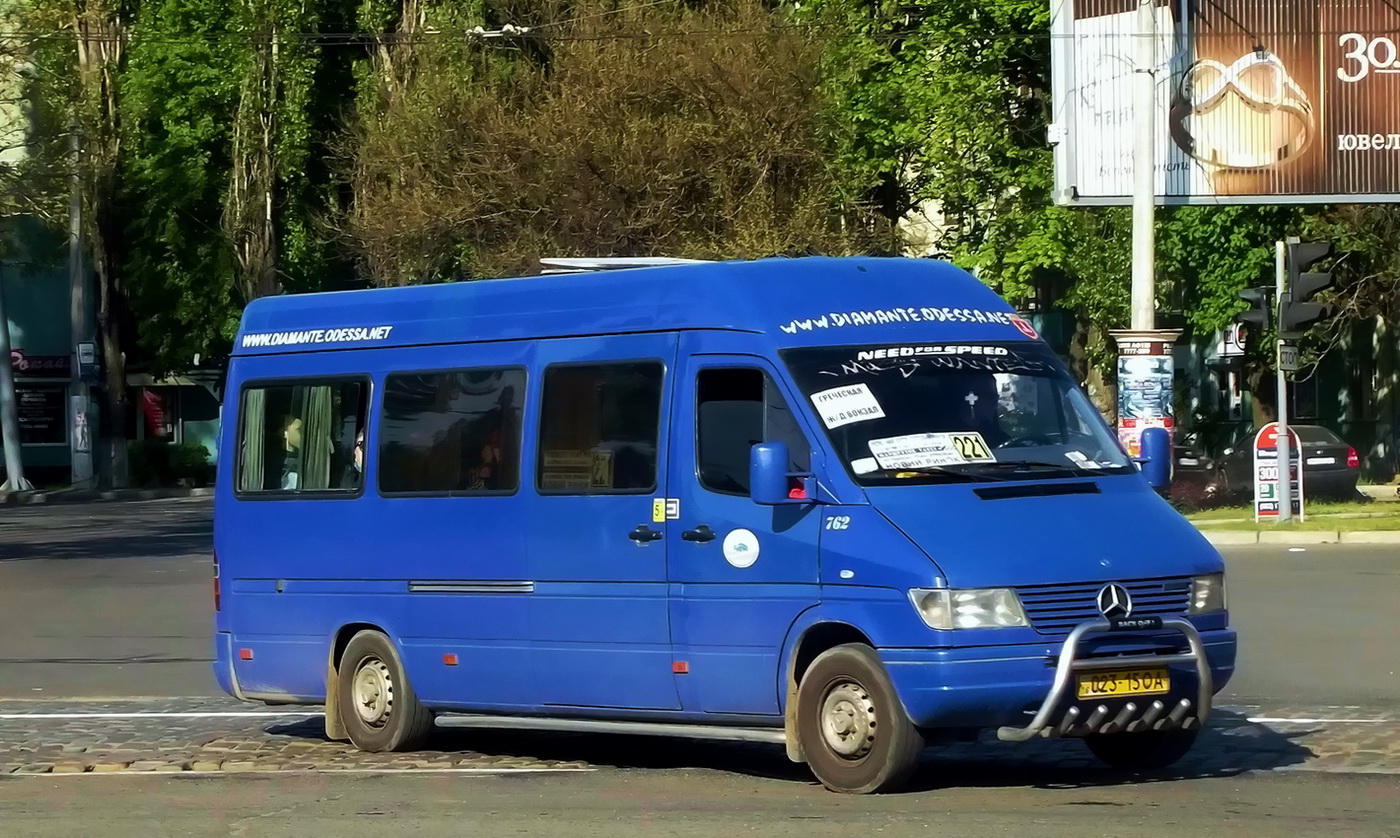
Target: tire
(1137, 752)
(851, 724)
(375, 701)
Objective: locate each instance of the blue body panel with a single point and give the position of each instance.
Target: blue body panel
(729, 622)
(791, 302)
(543, 603)
(1126, 531)
(601, 634)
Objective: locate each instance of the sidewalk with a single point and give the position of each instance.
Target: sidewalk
(1381, 491)
(55, 496)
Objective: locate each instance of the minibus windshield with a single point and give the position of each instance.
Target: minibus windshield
(937, 413)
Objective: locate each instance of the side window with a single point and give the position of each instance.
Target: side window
(454, 432)
(299, 437)
(598, 428)
(734, 409)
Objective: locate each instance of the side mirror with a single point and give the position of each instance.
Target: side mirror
(1157, 457)
(769, 478)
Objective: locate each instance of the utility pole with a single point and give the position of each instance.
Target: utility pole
(1144, 169)
(9, 414)
(1295, 287)
(80, 400)
(1145, 363)
(1285, 465)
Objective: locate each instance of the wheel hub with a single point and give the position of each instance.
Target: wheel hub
(374, 692)
(848, 720)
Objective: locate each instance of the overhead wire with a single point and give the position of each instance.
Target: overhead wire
(543, 31)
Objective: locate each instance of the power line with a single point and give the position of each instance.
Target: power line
(509, 32)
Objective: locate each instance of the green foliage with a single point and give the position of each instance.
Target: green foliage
(198, 71)
(298, 112)
(625, 137)
(715, 128)
(1215, 252)
(947, 102)
(178, 97)
(157, 462)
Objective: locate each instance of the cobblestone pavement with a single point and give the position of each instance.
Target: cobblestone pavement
(214, 735)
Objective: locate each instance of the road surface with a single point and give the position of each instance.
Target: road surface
(104, 688)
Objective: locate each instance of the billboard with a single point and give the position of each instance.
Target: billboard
(1258, 101)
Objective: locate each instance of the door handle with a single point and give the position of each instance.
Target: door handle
(700, 534)
(642, 534)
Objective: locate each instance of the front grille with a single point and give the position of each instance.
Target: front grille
(1057, 609)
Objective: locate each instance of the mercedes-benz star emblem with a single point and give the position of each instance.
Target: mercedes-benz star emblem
(1114, 602)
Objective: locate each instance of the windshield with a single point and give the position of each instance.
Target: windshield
(1315, 435)
(955, 412)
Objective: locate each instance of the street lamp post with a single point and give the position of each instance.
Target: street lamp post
(79, 317)
(1145, 366)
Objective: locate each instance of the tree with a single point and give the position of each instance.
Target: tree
(1367, 240)
(271, 202)
(180, 93)
(33, 166)
(945, 103)
(655, 129)
(89, 38)
(227, 104)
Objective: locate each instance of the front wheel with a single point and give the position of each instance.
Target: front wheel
(850, 723)
(376, 703)
(1147, 751)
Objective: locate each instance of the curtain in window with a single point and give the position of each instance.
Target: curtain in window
(319, 428)
(254, 441)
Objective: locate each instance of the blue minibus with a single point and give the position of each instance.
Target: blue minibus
(855, 506)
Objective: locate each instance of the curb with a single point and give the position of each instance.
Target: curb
(1230, 538)
(1372, 537)
(85, 496)
(1300, 537)
(1234, 538)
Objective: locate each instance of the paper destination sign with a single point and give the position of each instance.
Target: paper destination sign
(844, 405)
(916, 451)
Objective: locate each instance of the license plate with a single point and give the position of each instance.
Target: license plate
(1113, 683)
(1322, 461)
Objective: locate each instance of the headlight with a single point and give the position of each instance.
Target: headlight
(1207, 594)
(973, 608)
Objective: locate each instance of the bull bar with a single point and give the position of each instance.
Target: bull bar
(1129, 718)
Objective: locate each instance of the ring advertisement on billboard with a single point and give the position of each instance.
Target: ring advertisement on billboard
(1257, 100)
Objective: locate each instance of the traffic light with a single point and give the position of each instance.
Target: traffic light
(1296, 314)
(1256, 317)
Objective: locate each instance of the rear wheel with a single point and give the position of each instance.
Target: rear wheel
(1148, 751)
(376, 703)
(851, 724)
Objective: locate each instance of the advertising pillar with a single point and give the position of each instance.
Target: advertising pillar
(1145, 371)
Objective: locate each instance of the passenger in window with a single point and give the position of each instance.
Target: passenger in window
(487, 475)
(291, 453)
(354, 472)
